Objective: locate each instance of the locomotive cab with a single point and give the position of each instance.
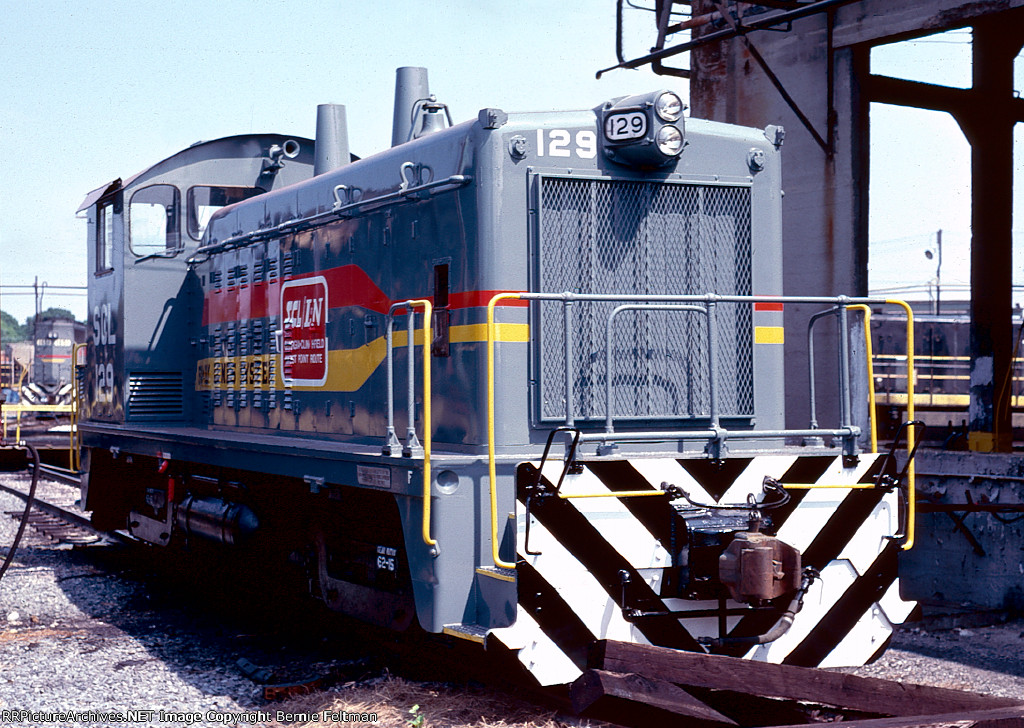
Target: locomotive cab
(141, 233)
(144, 312)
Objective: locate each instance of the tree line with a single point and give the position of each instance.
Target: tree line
(11, 331)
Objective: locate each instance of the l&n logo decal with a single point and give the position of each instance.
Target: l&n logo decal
(304, 332)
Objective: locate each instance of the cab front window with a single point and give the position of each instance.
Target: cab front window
(203, 201)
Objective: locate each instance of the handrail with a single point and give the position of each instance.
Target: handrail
(614, 494)
(911, 487)
(17, 409)
(492, 469)
(815, 486)
(427, 422)
(75, 441)
(338, 210)
(866, 310)
(17, 388)
(715, 433)
(812, 387)
(609, 362)
(911, 491)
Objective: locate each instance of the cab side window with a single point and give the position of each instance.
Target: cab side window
(104, 236)
(153, 220)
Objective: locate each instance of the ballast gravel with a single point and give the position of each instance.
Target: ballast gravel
(87, 635)
(82, 631)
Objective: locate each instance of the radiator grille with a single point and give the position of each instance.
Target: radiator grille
(155, 396)
(624, 237)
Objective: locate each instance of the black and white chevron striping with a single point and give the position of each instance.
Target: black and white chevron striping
(572, 592)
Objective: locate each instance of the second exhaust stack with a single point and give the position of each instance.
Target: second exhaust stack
(331, 151)
(410, 86)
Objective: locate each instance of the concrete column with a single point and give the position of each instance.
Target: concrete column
(989, 126)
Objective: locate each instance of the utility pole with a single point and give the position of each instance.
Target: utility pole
(936, 307)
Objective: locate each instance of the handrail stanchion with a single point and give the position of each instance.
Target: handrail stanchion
(491, 464)
(845, 400)
(570, 400)
(391, 441)
(710, 311)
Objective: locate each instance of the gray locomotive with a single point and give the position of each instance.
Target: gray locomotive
(52, 369)
(518, 380)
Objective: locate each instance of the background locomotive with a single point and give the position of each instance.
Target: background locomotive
(52, 367)
(371, 366)
(942, 373)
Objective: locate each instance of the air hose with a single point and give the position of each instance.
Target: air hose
(810, 575)
(28, 507)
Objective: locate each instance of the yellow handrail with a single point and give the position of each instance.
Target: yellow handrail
(617, 494)
(911, 491)
(19, 408)
(427, 424)
(21, 380)
(491, 465)
(866, 310)
(815, 486)
(76, 442)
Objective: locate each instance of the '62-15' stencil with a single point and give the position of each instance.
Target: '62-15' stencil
(304, 332)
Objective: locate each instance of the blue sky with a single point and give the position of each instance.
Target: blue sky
(93, 91)
(920, 177)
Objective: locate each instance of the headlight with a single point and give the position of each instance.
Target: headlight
(668, 106)
(669, 141)
(644, 131)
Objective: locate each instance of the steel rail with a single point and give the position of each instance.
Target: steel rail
(64, 514)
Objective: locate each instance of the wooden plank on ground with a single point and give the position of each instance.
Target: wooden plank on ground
(613, 696)
(717, 672)
(1012, 717)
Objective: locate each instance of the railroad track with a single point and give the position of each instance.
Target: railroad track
(59, 524)
(646, 685)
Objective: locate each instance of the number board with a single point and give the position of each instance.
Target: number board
(625, 126)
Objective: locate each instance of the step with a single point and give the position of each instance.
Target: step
(471, 632)
(496, 572)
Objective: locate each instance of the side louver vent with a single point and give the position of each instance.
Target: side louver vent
(155, 396)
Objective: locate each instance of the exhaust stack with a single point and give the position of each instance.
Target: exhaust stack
(331, 150)
(410, 86)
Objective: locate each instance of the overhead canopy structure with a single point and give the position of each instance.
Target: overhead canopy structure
(814, 55)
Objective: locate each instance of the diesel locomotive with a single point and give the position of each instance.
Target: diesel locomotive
(52, 368)
(518, 380)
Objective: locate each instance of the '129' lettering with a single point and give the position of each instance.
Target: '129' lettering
(562, 143)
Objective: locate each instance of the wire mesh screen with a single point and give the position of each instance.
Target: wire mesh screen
(655, 238)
